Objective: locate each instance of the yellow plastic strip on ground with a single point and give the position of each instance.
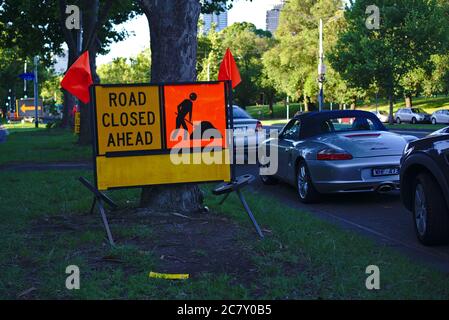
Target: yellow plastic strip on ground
(125, 172)
(168, 276)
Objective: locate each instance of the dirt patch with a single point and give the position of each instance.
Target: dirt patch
(195, 244)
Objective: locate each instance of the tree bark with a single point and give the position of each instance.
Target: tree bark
(390, 99)
(173, 33)
(90, 25)
(306, 104)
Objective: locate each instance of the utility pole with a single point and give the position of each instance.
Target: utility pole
(24, 81)
(36, 93)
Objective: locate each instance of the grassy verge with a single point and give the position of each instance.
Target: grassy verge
(262, 112)
(424, 127)
(28, 144)
(43, 229)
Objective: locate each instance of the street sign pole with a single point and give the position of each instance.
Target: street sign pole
(36, 93)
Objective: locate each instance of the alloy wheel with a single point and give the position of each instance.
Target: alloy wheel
(420, 210)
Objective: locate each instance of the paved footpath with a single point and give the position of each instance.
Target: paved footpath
(3, 134)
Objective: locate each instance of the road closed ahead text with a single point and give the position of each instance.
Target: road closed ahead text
(128, 119)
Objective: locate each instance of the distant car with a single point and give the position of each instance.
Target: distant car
(440, 116)
(382, 115)
(412, 115)
(246, 129)
(425, 187)
(319, 153)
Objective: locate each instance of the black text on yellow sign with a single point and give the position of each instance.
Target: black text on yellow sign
(128, 118)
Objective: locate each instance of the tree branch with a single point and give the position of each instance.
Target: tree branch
(100, 21)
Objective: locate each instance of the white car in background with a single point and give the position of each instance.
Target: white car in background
(382, 115)
(246, 130)
(440, 116)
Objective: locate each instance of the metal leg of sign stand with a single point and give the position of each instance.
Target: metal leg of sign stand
(100, 199)
(105, 222)
(235, 186)
(250, 214)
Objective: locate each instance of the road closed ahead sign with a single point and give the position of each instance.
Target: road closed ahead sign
(160, 134)
(128, 118)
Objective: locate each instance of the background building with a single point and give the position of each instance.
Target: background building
(220, 20)
(273, 17)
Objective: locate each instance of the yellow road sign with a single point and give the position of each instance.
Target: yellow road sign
(128, 118)
(134, 125)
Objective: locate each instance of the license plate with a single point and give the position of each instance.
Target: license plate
(379, 172)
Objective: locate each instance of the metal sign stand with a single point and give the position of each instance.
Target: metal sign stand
(99, 199)
(235, 186)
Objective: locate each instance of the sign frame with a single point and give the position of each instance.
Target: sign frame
(229, 120)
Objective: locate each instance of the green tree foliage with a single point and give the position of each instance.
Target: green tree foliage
(410, 33)
(127, 70)
(292, 63)
(247, 44)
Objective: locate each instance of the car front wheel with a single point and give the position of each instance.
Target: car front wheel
(430, 211)
(414, 121)
(398, 120)
(434, 121)
(306, 191)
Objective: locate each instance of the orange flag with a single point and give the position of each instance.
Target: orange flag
(229, 70)
(78, 78)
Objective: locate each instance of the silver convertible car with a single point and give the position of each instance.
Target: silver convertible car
(336, 151)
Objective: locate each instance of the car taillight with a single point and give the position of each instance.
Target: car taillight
(259, 126)
(333, 155)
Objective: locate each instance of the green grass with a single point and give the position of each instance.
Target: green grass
(301, 258)
(26, 144)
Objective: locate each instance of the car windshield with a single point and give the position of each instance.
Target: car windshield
(240, 113)
(418, 110)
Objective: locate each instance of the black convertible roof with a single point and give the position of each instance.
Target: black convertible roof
(311, 121)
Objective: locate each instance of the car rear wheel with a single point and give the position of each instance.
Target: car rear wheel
(434, 121)
(398, 120)
(413, 120)
(306, 191)
(430, 211)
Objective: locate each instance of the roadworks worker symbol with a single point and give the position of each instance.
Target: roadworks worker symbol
(195, 115)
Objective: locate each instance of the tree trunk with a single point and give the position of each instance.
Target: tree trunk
(90, 19)
(354, 103)
(390, 99)
(306, 104)
(270, 105)
(408, 101)
(173, 33)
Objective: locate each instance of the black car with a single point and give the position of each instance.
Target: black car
(425, 186)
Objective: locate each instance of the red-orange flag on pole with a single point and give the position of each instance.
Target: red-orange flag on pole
(78, 78)
(229, 70)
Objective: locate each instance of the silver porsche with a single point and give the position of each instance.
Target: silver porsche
(336, 152)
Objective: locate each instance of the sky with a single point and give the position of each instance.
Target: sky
(139, 38)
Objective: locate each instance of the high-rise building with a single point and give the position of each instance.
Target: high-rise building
(273, 17)
(220, 21)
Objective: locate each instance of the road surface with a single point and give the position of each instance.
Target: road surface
(379, 216)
